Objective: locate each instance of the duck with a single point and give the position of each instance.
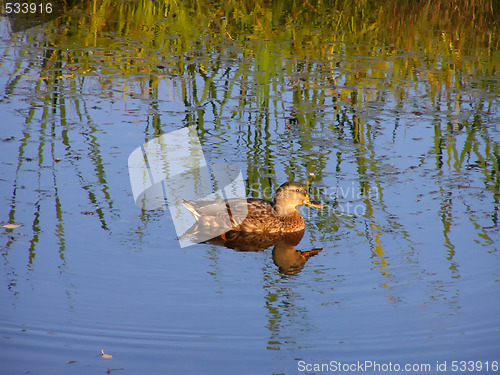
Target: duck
(254, 215)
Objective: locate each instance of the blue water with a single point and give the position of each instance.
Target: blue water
(408, 274)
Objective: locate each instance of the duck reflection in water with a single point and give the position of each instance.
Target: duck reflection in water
(286, 257)
(256, 224)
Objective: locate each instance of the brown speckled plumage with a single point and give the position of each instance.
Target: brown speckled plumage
(256, 215)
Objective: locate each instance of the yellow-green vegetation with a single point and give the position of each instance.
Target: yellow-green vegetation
(428, 40)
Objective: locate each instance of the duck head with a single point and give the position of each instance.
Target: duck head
(290, 195)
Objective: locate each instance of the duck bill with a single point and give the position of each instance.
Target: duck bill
(312, 203)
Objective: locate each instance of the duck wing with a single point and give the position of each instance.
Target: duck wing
(230, 212)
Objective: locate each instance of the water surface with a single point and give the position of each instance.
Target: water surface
(396, 133)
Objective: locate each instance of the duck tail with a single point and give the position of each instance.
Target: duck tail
(190, 207)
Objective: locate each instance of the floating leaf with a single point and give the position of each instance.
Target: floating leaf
(108, 371)
(11, 226)
(106, 356)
